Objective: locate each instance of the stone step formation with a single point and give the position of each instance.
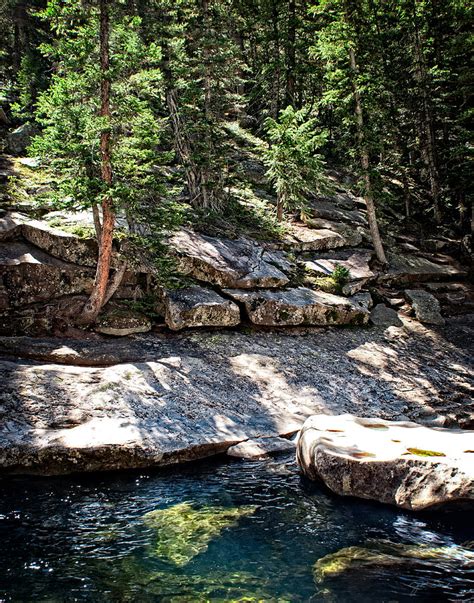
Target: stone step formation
(47, 273)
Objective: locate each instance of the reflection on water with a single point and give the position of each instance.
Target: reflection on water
(221, 531)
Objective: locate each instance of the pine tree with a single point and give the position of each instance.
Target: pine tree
(100, 131)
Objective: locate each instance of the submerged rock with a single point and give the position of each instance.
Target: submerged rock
(380, 554)
(258, 448)
(400, 463)
(199, 307)
(426, 306)
(184, 531)
(241, 263)
(300, 306)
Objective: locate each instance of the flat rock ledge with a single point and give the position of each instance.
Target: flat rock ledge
(259, 448)
(301, 306)
(199, 307)
(399, 463)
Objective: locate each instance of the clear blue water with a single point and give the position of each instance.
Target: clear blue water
(83, 538)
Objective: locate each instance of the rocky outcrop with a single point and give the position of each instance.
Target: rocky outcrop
(328, 236)
(19, 139)
(120, 321)
(59, 244)
(29, 275)
(338, 208)
(259, 448)
(199, 307)
(356, 261)
(411, 269)
(425, 306)
(400, 463)
(102, 403)
(240, 263)
(383, 316)
(300, 306)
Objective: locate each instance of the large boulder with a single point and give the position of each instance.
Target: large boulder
(29, 275)
(400, 463)
(323, 236)
(426, 306)
(199, 307)
(58, 243)
(237, 263)
(383, 316)
(300, 306)
(331, 208)
(19, 139)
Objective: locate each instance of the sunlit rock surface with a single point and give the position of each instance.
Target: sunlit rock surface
(401, 463)
(240, 263)
(258, 448)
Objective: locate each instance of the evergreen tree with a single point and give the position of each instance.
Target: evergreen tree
(293, 166)
(100, 131)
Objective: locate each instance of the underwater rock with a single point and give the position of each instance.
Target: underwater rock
(401, 463)
(380, 554)
(184, 531)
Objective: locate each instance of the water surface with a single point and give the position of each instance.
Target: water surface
(84, 538)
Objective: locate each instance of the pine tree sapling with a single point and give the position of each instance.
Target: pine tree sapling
(293, 165)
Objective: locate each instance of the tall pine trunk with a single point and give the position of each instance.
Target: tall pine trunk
(428, 138)
(363, 150)
(99, 292)
(291, 55)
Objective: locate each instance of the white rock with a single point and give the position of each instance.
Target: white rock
(400, 463)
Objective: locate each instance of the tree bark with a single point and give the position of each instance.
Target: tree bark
(291, 54)
(280, 201)
(365, 163)
(101, 281)
(275, 100)
(428, 140)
